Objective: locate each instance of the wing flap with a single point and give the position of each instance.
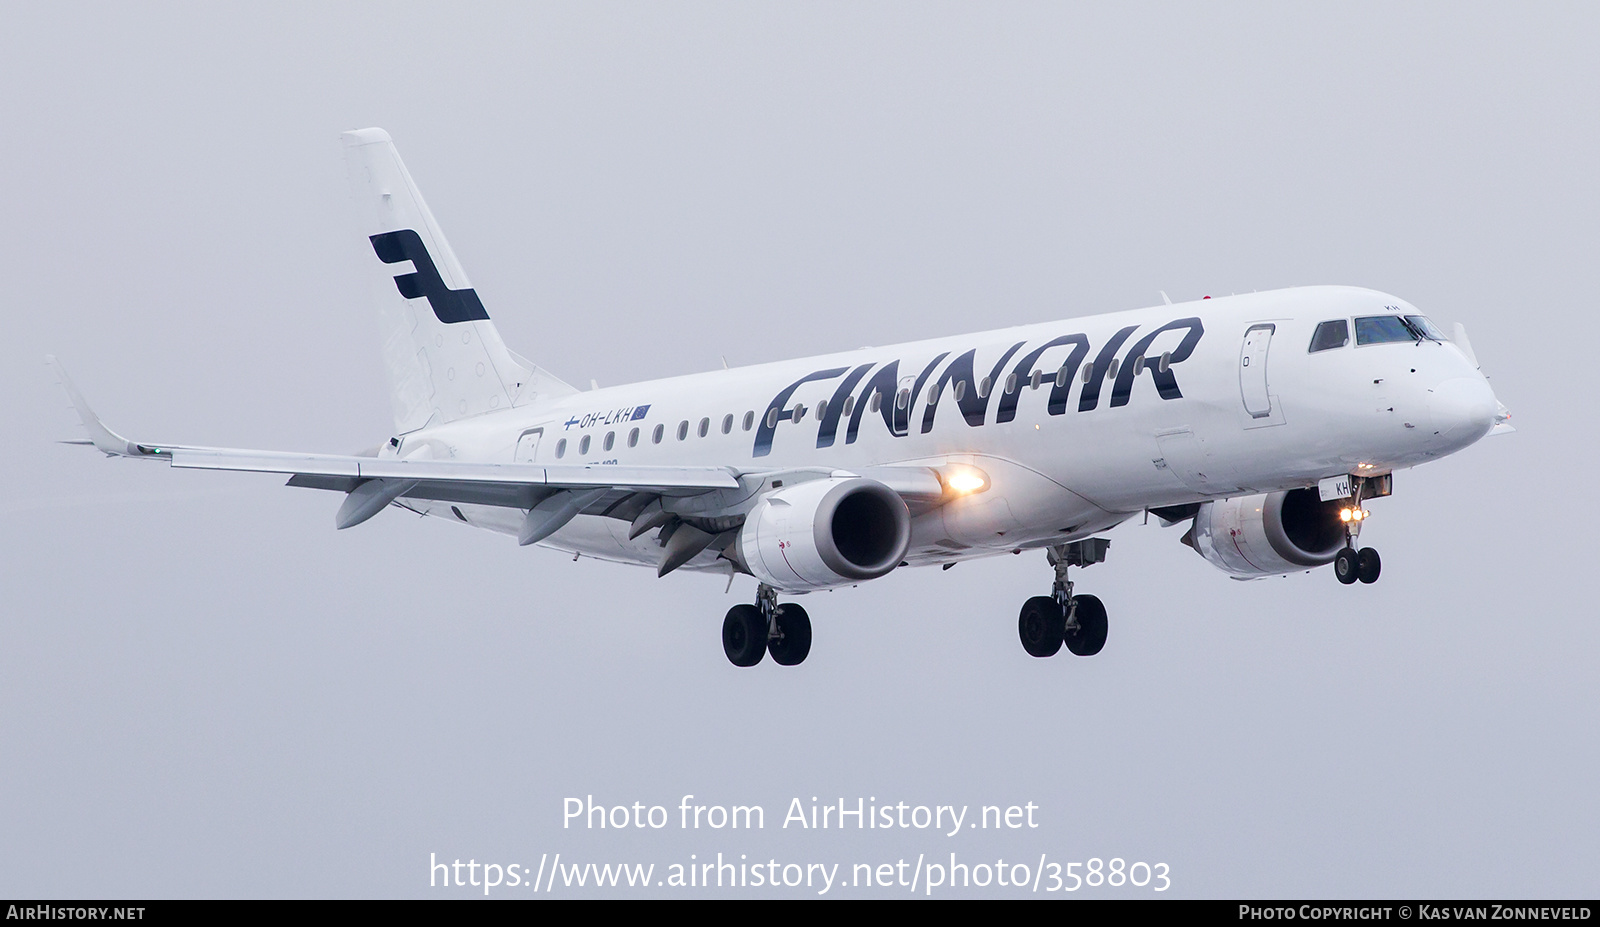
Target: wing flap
(336, 469)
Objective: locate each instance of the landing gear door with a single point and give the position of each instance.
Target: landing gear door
(528, 446)
(1253, 370)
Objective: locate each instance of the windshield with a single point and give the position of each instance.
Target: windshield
(1382, 329)
(1421, 323)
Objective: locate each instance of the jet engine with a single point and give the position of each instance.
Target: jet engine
(1267, 534)
(824, 533)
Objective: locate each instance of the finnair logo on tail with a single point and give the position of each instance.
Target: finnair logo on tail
(449, 305)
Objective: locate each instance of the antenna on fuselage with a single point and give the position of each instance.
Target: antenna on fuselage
(1164, 297)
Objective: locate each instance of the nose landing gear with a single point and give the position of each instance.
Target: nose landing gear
(1079, 621)
(1350, 564)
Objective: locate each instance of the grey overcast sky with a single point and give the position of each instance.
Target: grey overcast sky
(207, 691)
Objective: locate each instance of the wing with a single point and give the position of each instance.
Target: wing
(551, 495)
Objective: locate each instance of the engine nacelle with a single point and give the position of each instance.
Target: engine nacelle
(824, 533)
(1271, 533)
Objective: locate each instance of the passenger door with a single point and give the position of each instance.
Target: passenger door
(1253, 370)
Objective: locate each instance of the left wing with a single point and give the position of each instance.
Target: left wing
(374, 482)
(551, 494)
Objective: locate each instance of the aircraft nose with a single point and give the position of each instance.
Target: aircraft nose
(1463, 410)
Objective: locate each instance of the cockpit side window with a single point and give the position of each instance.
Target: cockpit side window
(1382, 329)
(1334, 333)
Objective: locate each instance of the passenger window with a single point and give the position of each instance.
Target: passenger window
(1334, 333)
(561, 448)
(727, 423)
(683, 429)
(876, 403)
(611, 438)
(705, 426)
(633, 438)
(849, 405)
(749, 420)
(655, 436)
(583, 445)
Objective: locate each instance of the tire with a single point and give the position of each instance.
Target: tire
(1040, 626)
(793, 642)
(1346, 566)
(744, 635)
(1090, 635)
(1368, 565)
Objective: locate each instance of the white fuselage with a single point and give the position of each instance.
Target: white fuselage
(1104, 416)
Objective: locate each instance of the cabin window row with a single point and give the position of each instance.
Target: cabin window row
(657, 434)
(902, 400)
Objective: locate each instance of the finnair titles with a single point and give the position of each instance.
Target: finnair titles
(1262, 423)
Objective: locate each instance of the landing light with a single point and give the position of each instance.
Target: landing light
(1352, 514)
(966, 480)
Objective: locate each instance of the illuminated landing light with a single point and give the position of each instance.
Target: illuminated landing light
(1352, 514)
(963, 480)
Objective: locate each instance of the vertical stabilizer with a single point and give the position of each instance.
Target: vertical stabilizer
(444, 358)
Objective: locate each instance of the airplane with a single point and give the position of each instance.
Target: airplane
(1266, 421)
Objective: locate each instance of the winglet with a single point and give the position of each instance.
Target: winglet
(108, 441)
(1466, 346)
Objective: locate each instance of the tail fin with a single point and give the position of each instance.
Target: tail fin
(444, 357)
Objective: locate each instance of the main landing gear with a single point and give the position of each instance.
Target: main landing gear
(1350, 564)
(750, 632)
(1079, 621)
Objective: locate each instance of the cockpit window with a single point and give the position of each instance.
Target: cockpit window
(1329, 335)
(1382, 329)
(1421, 324)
